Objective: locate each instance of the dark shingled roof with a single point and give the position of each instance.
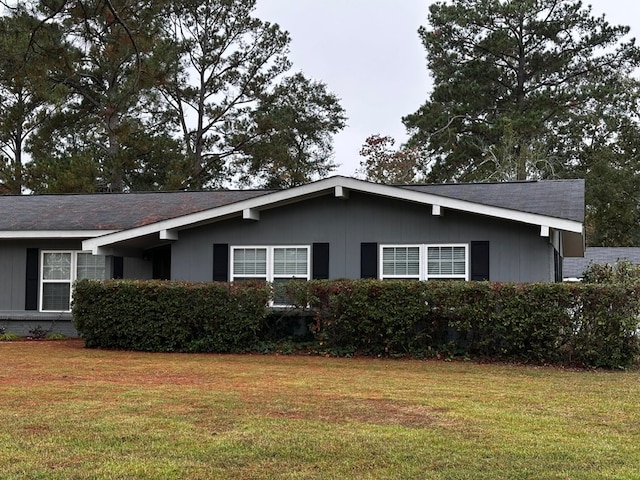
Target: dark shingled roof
(120, 211)
(574, 267)
(552, 198)
(108, 211)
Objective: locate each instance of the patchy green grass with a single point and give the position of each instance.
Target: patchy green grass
(69, 412)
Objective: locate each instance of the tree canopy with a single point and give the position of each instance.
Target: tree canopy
(533, 89)
(157, 95)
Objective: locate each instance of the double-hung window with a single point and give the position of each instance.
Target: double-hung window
(401, 262)
(424, 262)
(447, 262)
(249, 263)
(278, 265)
(59, 270)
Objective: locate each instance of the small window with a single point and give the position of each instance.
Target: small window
(91, 266)
(60, 270)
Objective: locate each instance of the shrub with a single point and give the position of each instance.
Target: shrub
(622, 271)
(587, 325)
(37, 333)
(9, 337)
(590, 325)
(169, 316)
(56, 336)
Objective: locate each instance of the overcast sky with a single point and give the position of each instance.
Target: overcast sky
(369, 54)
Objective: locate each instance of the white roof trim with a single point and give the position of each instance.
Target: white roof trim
(54, 233)
(329, 186)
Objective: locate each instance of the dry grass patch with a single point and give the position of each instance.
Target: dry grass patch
(69, 412)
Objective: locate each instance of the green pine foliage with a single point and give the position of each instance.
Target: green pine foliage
(534, 89)
(130, 96)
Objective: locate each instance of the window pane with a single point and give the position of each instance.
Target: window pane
(446, 267)
(56, 266)
(290, 261)
(55, 296)
(413, 261)
(388, 261)
(250, 261)
(400, 261)
(91, 266)
(446, 261)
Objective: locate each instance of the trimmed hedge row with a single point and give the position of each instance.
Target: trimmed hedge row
(575, 324)
(169, 316)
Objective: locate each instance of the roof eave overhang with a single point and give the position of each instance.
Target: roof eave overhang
(54, 234)
(337, 186)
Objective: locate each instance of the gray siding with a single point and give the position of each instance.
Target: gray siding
(13, 259)
(21, 323)
(137, 268)
(517, 252)
(13, 264)
(12, 276)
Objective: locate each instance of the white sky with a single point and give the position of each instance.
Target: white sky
(369, 54)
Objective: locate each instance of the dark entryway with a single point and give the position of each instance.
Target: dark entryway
(161, 262)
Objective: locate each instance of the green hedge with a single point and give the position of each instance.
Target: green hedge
(591, 325)
(170, 316)
(576, 324)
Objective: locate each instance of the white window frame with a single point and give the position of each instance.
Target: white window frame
(259, 276)
(452, 276)
(270, 275)
(423, 251)
(418, 276)
(73, 274)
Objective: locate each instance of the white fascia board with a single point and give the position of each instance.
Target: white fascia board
(54, 233)
(329, 185)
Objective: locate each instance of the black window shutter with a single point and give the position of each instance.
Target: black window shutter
(31, 297)
(480, 261)
(368, 260)
(117, 266)
(220, 262)
(320, 263)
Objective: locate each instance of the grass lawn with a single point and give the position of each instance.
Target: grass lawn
(69, 412)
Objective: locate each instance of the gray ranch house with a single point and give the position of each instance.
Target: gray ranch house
(334, 228)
